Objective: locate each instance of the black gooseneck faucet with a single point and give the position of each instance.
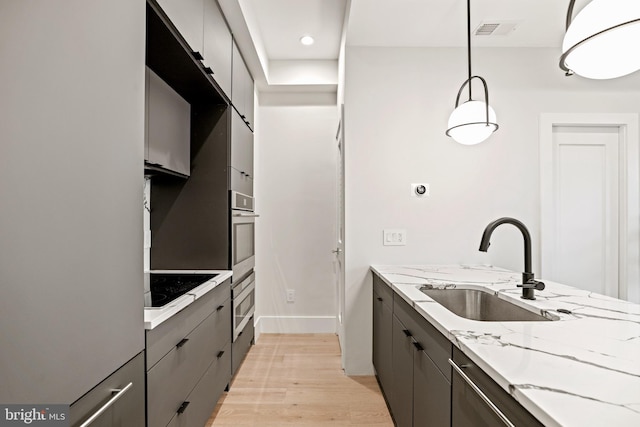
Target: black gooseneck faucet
(528, 283)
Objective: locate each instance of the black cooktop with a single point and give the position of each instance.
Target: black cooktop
(165, 287)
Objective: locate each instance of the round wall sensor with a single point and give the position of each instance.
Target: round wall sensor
(420, 190)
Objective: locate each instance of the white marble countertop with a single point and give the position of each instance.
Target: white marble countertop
(582, 369)
(155, 316)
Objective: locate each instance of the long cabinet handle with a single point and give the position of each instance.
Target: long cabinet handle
(481, 394)
(118, 395)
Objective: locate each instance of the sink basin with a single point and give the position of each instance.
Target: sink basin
(478, 305)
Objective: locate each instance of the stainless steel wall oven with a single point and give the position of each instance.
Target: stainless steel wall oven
(244, 301)
(243, 248)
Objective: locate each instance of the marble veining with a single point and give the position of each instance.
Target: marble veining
(580, 369)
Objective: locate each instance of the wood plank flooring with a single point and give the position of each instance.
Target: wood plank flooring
(297, 380)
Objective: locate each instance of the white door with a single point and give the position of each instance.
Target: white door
(586, 208)
(339, 250)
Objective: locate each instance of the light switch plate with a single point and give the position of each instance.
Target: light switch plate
(394, 237)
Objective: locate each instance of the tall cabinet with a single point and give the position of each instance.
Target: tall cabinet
(71, 184)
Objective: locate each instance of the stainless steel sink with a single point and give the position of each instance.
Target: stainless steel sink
(478, 305)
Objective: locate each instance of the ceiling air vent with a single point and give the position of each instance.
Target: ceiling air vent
(495, 28)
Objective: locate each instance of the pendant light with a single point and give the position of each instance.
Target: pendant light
(474, 121)
(602, 41)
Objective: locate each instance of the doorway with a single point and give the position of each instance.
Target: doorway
(339, 250)
(589, 202)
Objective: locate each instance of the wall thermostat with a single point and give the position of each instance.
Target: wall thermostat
(420, 190)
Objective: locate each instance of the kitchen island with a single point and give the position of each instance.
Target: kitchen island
(581, 368)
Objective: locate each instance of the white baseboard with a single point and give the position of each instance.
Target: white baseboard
(295, 325)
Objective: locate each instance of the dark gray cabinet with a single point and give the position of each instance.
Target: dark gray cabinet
(189, 361)
(241, 160)
(241, 345)
(242, 88)
(217, 46)
(401, 399)
(118, 401)
(414, 364)
(422, 390)
(168, 127)
(479, 402)
(382, 323)
(187, 17)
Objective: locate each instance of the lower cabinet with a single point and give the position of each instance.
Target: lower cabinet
(118, 401)
(426, 380)
(479, 402)
(382, 316)
(189, 361)
(240, 347)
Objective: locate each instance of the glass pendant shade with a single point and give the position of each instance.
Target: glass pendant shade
(602, 41)
(468, 123)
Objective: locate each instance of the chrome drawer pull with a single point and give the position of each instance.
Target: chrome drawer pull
(119, 394)
(482, 396)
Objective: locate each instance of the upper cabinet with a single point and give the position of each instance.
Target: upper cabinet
(217, 46)
(186, 15)
(202, 25)
(242, 88)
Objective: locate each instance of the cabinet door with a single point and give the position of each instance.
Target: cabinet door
(248, 98)
(217, 45)
(187, 16)
(237, 80)
(431, 394)
(401, 401)
(241, 148)
(382, 318)
(168, 127)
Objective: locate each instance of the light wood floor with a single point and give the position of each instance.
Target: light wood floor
(296, 380)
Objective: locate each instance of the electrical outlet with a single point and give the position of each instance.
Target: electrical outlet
(394, 237)
(291, 295)
(420, 190)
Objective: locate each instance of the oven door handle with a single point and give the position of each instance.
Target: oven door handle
(241, 215)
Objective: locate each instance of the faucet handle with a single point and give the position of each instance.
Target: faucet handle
(533, 284)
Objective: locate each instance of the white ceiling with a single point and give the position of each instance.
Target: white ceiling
(272, 28)
(281, 23)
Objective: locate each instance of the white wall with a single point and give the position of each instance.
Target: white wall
(397, 102)
(295, 233)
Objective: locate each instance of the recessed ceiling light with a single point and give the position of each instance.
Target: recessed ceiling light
(306, 40)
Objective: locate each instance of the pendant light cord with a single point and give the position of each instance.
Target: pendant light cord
(469, 43)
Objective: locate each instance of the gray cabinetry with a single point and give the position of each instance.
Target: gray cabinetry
(382, 321)
(241, 161)
(472, 390)
(186, 16)
(413, 362)
(241, 345)
(118, 401)
(217, 45)
(186, 358)
(168, 127)
(70, 258)
(242, 88)
(421, 389)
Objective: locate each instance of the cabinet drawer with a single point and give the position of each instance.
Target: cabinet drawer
(128, 410)
(382, 290)
(436, 345)
(163, 338)
(174, 376)
(202, 400)
(470, 410)
(240, 348)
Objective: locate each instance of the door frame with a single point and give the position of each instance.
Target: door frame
(340, 236)
(629, 188)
